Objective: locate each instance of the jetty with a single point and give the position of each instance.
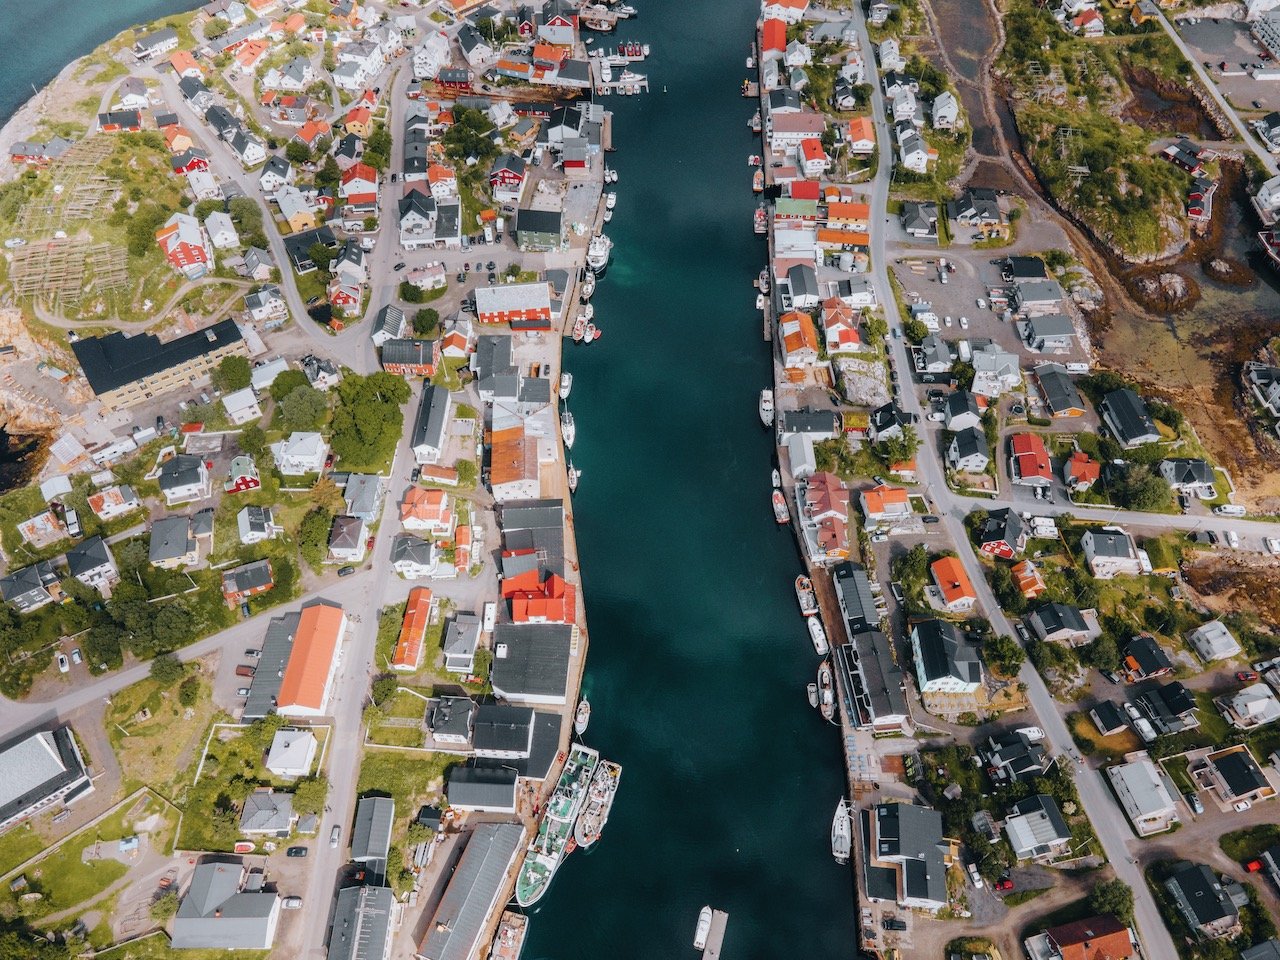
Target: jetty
(715, 939)
(621, 81)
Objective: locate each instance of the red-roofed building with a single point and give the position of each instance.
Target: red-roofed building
(862, 136)
(773, 35)
(462, 548)
(551, 601)
(313, 661)
(1095, 938)
(812, 158)
(1027, 579)
(427, 510)
(185, 65)
(418, 613)
(885, 504)
(799, 342)
(1089, 24)
(953, 585)
(840, 326)
(1029, 463)
(1080, 472)
(805, 190)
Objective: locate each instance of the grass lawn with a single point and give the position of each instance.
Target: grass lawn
(1177, 768)
(1242, 845)
(1088, 738)
(410, 780)
(157, 948)
(159, 750)
(18, 846)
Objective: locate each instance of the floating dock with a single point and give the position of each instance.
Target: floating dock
(715, 939)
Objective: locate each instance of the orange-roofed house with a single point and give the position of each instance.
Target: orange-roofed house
(295, 23)
(418, 613)
(462, 548)
(1081, 471)
(513, 467)
(178, 139)
(427, 510)
(184, 65)
(885, 504)
(813, 160)
(263, 7)
(849, 216)
(862, 136)
(953, 585)
(359, 120)
(840, 326)
(804, 190)
(313, 661)
(1089, 24)
(799, 341)
(248, 55)
(532, 601)
(1027, 579)
(905, 470)
(443, 181)
(833, 238)
(1029, 463)
(312, 132)
(1095, 938)
(773, 36)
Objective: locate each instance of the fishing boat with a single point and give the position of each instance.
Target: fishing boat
(776, 477)
(582, 716)
(757, 182)
(567, 429)
(550, 845)
(753, 160)
(763, 281)
(819, 636)
(812, 691)
(754, 122)
(566, 384)
(761, 221)
(574, 474)
(610, 200)
(591, 334)
(598, 251)
(766, 407)
(588, 287)
(780, 511)
(704, 929)
(611, 176)
(588, 312)
(604, 785)
(579, 329)
(826, 691)
(805, 594)
(512, 930)
(841, 833)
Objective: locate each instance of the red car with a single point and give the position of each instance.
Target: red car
(1246, 675)
(1253, 866)
(1003, 885)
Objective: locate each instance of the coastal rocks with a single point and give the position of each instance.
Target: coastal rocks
(1165, 291)
(862, 381)
(1228, 271)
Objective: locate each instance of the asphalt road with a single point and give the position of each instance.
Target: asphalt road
(1108, 819)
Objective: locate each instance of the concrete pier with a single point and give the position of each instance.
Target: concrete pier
(715, 939)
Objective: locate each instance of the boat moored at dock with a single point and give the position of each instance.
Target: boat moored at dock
(581, 717)
(604, 787)
(574, 474)
(551, 842)
(567, 429)
(512, 930)
(826, 691)
(780, 512)
(598, 251)
(703, 928)
(812, 691)
(841, 833)
(805, 595)
(566, 384)
(819, 636)
(588, 287)
(776, 477)
(766, 407)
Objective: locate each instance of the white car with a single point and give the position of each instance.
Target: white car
(880, 538)
(1241, 806)
(947, 321)
(936, 417)
(1132, 711)
(975, 876)
(291, 903)
(1273, 545)
(982, 304)
(964, 323)
(1233, 540)
(64, 665)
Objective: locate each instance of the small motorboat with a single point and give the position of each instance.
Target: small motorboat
(751, 63)
(805, 595)
(588, 287)
(610, 200)
(579, 329)
(780, 512)
(753, 160)
(766, 407)
(611, 176)
(763, 281)
(819, 636)
(608, 216)
(826, 692)
(759, 301)
(777, 478)
(574, 474)
(812, 691)
(761, 221)
(757, 182)
(704, 929)
(567, 429)
(841, 833)
(582, 717)
(566, 384)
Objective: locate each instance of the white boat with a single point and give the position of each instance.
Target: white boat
(766, 407)
(608, 216)
(579, 329)
(841, 833)
(777, 477)
(606, 71)
(826, 691)
(574, 474)
(582, 717)
(704, 929)
(812, 691)
(751, 62)
(611, 176)
(819, 636)
(610, 200)
(604, 787)
(567, 429)
(780, 512)
(588, 312)
(566, 384)
(645, 49)
(588, 287)
(598, 251)
(759, 301)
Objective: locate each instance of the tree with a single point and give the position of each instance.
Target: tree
(303, 409)
(1138, 487)
(287, 382)
(253, 440)
(232, 373)
(1103, 652)
(141, 232)
(900, 448)
(320, 255)
(308, 796)
(1006, 590)
(384, 688)
(410, 293)
(370, 224)
(325, 493)
(1003, 654)
(426, 322)
(328, 175)
(167, 669)
(915, 330)
(189, 690)
(297, 152)
(164, 906)
(1113, 897)
(877, 329)
(173, 626)
(215, 28)
(313, 536)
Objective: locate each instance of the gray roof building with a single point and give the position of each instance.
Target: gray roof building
(910, 837)
(28, 588)
(170, 539)
(429, 427)
(371, 835)
(451, 718)
(474, 888)
(502, 731)
(853, 593)
(461, 637)
(1202, 900)
(873, 688)
(361, 923)
(37, 770)
(266, 811)
(482, 788)
(1036, 828)
(531, 662)
(276, 647)
(533, 537)
(115, 360)
(218, 913)
(1126, 414)
(1060, 393)
(942, 653)
(363, 494)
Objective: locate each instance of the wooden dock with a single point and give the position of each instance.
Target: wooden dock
(715, 939)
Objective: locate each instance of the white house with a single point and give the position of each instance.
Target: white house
(242, 406)
(90, 562)
(416, 559)
(204, 185)
(347, 540)
(264, 304)
(890, 53)
(430, 56)
(222, 232)
(255, 524)
(277, 173)
(249, 149)
(797, 55)
(995, 371)
(945, 112)
(300, 454)
(1213, 641)
(1110, 552)
(913, 153)
(1144, 796)
(184, 478)
(292, 753)
(788, 11)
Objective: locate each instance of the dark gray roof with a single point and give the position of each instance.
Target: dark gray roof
(390, 319)
(961, 402)
(433, 417)
(1198, 895)
(276, 646)
(533, 537)
(156, 39)
(1026, 268)
(971, 441)
(114, 360)
(802, 280)
(543, 749)
(170, 538)
(508, 162)
(492, 357)
(463, 913)
(87, 556)
(410, 352)
(361, 923)
(1267, 950)
(1003, 525)
(1051, 325)
(853, 591)
(531, 660)
(28, 774)
(534, 390)
(1127, 413)
(1110, 543)
(371, 832)
(1148, 654)
(1052, 617)
(1041, 803)
(1187, 470)
(502, 728)
(451, 716)
(944, 653)
(538, 221)
(1240, 772)
(34, 579)
(1109, 716)
(808, 420)
(215, 914)
(410, 549)
(250, 576)
(1059, 392)
(481, 786)
(180, 471)
(873, 687)
(913, 835)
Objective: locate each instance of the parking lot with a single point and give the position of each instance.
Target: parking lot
(1229, 41)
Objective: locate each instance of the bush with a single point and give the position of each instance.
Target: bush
(233, 373)
(313, 536)
(426, 322)
(167, 669)
(409, 293)
(1113, 897)
(189, 691)
(287, 382)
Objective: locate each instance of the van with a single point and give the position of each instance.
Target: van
(244, 670)
(73, 523)
(490, 616)
(334, 836)
(1229, 510)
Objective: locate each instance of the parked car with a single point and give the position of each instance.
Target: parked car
(291, 903)
(253, 654)
(63, 663)
(415, 474)
(346, 571)
(398, 267)
(1110, 676)
(1131, 711)
(1246, 676)
(880, 538)
(880, 481)
(1194, 803)
(1004, 884)
(930, 518)
(244, 670)
(334, 835)
(1240, 806)
(975, 876)
(75, 655)
(296, 852)
(242, 691)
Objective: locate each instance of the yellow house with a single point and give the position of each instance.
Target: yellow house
(359, 121)
(295, 209)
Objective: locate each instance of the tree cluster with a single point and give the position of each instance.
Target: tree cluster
(368, 421)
